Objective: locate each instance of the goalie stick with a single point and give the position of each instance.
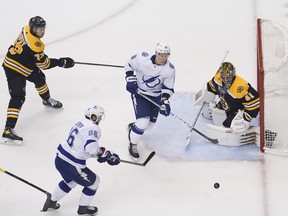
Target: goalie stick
(215, 141)
(45, 207)
(140, 164)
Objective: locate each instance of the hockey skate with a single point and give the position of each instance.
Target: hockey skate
(50, 205)
(51, 103)
(9, 137)
(87, 210)
(133, 151)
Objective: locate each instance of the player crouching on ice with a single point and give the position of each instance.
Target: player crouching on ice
(238, 103)
(80, 145)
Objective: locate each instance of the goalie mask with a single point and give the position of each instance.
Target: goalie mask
(227, 73)
(95, 113)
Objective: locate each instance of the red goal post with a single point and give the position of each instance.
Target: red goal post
(272, 64)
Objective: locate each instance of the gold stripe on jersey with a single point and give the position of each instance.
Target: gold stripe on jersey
(13, 113)
(16, 66)
(252, 105)
(43, 89)
(44, 65)
(33, 42)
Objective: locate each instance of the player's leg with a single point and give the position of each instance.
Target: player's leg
(39, 80)
(142, 109)
(16, 86)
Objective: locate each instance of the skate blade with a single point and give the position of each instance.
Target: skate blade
(6, 141)
(52, 108)
(133, 158)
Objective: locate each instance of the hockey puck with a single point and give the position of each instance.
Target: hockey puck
(216, 185)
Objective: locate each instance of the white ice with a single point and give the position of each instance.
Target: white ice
(175, 182)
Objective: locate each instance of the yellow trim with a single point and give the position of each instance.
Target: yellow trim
(13, 109)
(12, 116)
(251, 102)
(253, 108)
(2, 170)
(33, 42)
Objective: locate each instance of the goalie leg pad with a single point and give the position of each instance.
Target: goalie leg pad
(218, 115)
(227, 138)
(206, 112)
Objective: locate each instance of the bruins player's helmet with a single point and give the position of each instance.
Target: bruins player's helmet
(36, 22)
(227, 73)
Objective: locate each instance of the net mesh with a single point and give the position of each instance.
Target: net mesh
(275, 65)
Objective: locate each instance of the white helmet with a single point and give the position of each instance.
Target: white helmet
(95, 110)
(162, 48)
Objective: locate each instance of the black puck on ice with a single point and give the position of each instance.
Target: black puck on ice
(216, 185)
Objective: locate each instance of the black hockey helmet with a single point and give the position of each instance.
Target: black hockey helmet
(37, 22)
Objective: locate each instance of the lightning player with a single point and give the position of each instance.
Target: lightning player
(24, 61)
(238, 102)
(81, 144)
(153, 76)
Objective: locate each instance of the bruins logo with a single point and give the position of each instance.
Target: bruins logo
(37, 44)
(240, 89)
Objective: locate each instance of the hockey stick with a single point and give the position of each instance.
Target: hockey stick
(140, 164)
(32, 185)
(188, 139)
(215, 141)
(95, 64)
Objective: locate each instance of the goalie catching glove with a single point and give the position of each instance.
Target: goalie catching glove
(107, 156)
(241, 122)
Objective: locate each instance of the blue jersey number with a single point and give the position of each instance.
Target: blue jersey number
(71, 137)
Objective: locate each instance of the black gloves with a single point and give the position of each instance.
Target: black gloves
(66, 62)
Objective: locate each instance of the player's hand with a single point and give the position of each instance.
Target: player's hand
(165, 107)
(131, 84)
(113, 159)
(103, 155)
(66, 62)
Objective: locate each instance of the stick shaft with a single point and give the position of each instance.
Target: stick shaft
(96, 64)
(23, 180)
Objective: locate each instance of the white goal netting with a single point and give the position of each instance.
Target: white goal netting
(274, 44)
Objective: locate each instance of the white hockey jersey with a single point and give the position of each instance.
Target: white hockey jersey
(81, 144)
(152, 79)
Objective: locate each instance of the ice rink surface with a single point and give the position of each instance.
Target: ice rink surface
(175, 182)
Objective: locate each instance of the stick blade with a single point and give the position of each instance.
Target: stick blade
(149, 158)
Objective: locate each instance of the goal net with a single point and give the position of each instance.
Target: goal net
(272, 56)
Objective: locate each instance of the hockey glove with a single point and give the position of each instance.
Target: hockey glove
(103, 155)
(66, 62)
(131, 84)
(113, 159)
(165, 107)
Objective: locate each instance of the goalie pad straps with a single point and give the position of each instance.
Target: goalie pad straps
(204, 96)
(227, 138)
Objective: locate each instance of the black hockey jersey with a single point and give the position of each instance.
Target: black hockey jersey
(240, 95)
(27, 54)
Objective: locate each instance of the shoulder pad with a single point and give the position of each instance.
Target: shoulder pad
(145, 54)
(171, 66)
(239, 87)
(217, 79)
(33, 42)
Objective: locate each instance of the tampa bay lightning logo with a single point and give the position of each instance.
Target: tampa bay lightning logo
(151, 81)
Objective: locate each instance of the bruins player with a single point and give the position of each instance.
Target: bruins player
(25, 60)
(234, 94)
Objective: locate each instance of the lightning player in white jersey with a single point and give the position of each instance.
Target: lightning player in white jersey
(153, 76)
(80, 145)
